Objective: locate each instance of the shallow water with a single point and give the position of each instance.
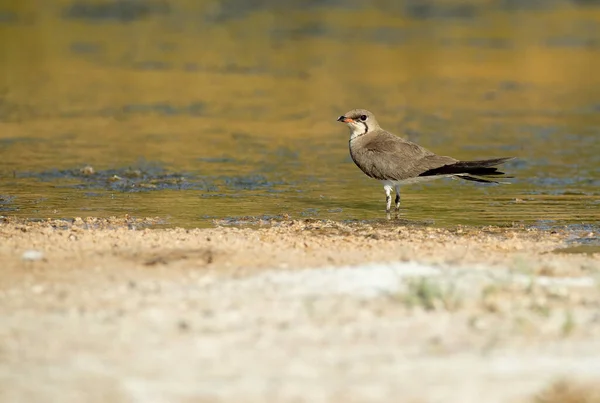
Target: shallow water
(198, 110)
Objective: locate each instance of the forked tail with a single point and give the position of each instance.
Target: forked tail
(476, 171)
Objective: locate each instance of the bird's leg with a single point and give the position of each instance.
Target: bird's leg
(388, 198)
(397, 201)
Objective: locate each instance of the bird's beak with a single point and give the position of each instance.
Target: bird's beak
(345, 119)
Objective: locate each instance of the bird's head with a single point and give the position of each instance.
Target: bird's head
(360, 121)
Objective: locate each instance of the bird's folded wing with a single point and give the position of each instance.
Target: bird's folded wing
(392, 158)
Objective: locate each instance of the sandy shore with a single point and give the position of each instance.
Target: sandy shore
(295, 311)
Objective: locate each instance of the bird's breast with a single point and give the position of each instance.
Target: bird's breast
(364, 161)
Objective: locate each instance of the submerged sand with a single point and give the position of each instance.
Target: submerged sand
(100, 310)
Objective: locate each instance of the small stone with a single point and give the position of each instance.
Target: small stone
(38, 289)
(32, 255)
(87, 170)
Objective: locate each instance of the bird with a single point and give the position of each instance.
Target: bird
(396, 161)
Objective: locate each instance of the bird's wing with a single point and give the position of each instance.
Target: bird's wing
(393, 158)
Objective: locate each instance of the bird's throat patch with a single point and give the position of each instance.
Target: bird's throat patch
(366, 127)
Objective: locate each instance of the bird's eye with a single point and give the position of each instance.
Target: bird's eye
(363, 117)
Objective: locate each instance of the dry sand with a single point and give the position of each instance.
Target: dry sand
(295, 311)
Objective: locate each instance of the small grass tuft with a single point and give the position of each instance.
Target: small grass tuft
(431, 295)
(569, 324)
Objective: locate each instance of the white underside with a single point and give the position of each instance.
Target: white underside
(410, 181)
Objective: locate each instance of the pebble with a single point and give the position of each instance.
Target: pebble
(38, 289)
(87, 170)
(32, 255)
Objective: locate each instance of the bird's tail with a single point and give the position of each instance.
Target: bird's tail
(478, 171)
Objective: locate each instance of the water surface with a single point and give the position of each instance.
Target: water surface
(202, 110)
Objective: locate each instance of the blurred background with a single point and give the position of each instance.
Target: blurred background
(197, 110)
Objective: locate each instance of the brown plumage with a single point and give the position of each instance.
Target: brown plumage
(394, 160)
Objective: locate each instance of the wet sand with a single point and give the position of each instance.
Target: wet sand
(103, 310)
